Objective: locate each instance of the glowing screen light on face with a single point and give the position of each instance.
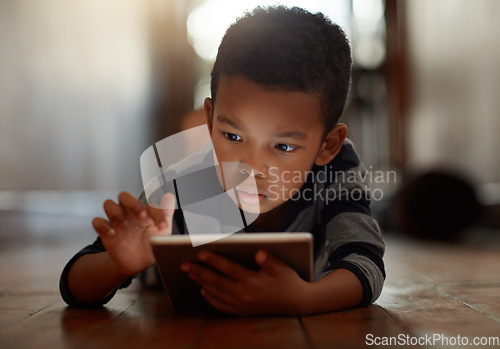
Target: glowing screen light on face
(205, 190)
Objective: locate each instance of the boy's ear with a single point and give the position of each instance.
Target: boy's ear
(331, 145)
(208, 108)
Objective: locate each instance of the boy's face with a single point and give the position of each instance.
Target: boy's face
(277, 133)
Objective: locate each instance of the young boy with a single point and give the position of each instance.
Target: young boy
(279, 86)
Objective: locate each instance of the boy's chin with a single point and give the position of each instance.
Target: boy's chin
(262, 208)
(256, 209)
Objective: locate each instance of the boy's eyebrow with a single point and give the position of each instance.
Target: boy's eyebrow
(226, 120)
(292, 134)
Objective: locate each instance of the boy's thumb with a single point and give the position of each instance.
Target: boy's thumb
(168, 202)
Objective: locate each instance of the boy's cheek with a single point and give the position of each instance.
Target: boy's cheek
(284, 191)
(293, 179)
(274, 192)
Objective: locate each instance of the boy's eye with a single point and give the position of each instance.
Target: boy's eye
(231, 136)
(285, 147)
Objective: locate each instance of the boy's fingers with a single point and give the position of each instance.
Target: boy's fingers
(114, 212)
(227, 267)
(102, 227)
(218, 304)
(163, 216)
(168, 203)
(204, 276)
(129, 202)
(159, 218)
(216, 293)
(266, 261)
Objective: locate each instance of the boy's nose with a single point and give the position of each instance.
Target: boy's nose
(254, 166)
(250, 172)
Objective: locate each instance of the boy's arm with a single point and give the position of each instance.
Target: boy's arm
(94, 277)
(89, 252)
(355, 244)
(351, 238)
(338, 290)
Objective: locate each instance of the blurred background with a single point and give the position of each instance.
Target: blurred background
(86, 86)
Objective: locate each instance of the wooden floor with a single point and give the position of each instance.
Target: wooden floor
(431, 289)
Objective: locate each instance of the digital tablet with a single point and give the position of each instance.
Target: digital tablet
(295, 249)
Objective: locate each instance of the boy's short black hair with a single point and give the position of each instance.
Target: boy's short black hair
(289, 49)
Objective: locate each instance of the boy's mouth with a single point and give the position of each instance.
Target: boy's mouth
(251, 198)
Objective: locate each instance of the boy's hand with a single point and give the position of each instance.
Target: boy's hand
(274, 289)
(126, 232)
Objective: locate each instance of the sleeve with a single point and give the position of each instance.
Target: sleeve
(353, 240)
(96, 247)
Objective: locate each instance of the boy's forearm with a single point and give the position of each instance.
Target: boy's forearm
(93, 277)
(338, 290)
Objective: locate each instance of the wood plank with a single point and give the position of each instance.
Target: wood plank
(33, 268)
(354, 328)
(484, 299)
(15, 308)
(150, 322)
(253, 332)
(447, 263)
(58, 326)
(424, 307)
